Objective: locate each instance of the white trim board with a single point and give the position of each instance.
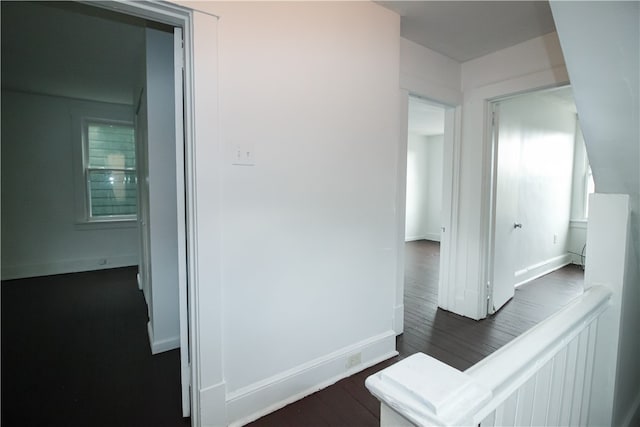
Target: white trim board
(10, 272)
(263, 397)
(161, 346)
(398, 319)
(532, 272)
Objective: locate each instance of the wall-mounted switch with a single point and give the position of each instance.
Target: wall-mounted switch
(242, 155)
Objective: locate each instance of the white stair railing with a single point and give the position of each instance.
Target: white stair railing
(541, 378)
(561, 372)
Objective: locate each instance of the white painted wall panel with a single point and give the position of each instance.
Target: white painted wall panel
(308, 233)
(40, 233)
(424, 187)
(417, 187)
(435, 185)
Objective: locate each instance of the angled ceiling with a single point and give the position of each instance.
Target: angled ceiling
(464, 30)
(71, 50)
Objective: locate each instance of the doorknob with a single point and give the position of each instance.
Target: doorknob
(517, 225)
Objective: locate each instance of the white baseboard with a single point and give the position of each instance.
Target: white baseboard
(540, 269)
(633, 414)
(160, 346)
(435, 237)
(398, 319)
(10, 272)
(213, 408)
(256, 400)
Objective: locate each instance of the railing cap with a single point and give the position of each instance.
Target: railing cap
(428, 392)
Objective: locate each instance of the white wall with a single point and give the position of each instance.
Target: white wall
(429, 73)
(544, 133)
(424, 187)
(41, 233)
(160, 145)
(308, 232)
(417, 187)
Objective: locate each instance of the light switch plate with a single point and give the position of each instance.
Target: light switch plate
(242, 155)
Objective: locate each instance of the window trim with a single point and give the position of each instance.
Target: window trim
(86, 169)
(81, 118)
(588, 179)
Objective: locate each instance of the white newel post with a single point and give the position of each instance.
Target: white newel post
(607, 247)
(426, 392)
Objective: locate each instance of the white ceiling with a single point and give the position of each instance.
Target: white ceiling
(465, 30)
(70, 50)
(425, 118)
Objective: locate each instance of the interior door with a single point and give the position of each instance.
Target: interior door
(507, 146)
(446, 235)
(185, 366)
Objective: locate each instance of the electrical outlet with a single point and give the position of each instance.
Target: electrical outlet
(555, 239)
(354, 360)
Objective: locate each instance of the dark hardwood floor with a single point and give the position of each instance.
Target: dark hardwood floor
(75, 350)
(455, 340)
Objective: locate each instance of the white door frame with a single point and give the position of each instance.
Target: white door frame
(450, 183)
(482, 100)
(178, 16)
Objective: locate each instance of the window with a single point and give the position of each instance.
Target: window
(109, 153)
(590, 188)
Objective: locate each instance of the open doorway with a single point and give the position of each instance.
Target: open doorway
(428, 180)
(101, 58)
(540, 182)
(424, 171)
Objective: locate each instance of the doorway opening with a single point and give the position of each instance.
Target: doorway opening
(74, 76)
(540, 181)
(424, 171)
(427, 171)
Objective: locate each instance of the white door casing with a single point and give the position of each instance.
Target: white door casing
(185, 369)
